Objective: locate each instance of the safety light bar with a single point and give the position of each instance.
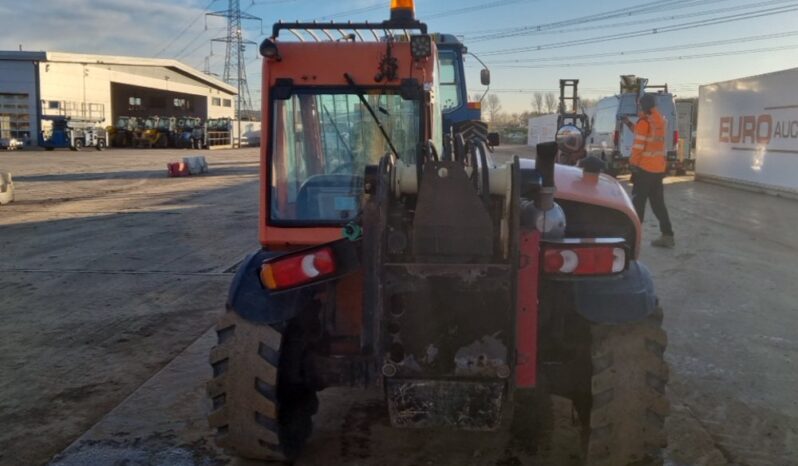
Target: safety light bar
(298, 269)
(584, 259)
(403, 10)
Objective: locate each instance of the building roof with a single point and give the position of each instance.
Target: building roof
(174, 65)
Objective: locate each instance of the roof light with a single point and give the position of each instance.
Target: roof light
(403, 10)
(298, 269)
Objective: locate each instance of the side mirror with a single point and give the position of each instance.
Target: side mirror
(493, 139)
(484, 76)
(570, 139)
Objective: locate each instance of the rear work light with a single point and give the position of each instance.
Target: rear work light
(569, 259)
(298, 269)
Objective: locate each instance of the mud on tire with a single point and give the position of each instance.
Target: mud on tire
(258, 410)
(629, 406)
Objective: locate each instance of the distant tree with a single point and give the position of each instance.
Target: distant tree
(551, 102)
(587, 103)
(523, 118)
(537, 103)
(493, 107)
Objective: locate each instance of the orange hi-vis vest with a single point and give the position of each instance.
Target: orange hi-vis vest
(648, 151)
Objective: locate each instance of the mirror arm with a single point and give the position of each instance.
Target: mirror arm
(484, 66)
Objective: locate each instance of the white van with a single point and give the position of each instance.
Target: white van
(611, 140)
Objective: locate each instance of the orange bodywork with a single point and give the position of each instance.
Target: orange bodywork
(311, 64)
(600, 190)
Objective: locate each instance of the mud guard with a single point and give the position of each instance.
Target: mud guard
(252, 301)
(628, 297)
(249, 299)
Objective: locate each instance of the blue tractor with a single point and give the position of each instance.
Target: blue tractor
(460, 117)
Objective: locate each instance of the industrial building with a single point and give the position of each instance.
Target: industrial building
(103, 88)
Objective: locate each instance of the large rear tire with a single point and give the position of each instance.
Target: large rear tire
(628, 403)
(262, 409)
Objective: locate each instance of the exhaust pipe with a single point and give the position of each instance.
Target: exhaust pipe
(544, 164)
(544, 214)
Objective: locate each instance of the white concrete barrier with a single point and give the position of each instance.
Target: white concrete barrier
(196, 165)
(6, 188)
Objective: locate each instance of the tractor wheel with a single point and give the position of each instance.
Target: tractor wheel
(626, 420)
(100, 144)
(78, 145)
(260, 410)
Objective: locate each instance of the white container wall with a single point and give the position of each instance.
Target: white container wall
(748, 132)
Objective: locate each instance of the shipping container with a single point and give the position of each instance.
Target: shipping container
(748, 133)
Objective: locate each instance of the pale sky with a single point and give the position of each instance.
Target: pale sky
(766, 30)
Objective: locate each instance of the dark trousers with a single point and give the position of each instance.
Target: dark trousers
(648, 186)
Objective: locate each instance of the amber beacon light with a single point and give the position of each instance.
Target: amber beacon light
(403, 10)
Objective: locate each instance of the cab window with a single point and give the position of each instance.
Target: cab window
(449, 91)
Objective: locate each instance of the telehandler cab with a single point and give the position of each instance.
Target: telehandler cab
(470, 293)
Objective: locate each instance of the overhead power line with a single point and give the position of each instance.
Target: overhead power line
(657, 59)
(185, 52)
(646, 8)
(354, 11)
(433, 15)
(659, 19)
(648, 31)
(192, 23)
(671, 48)
(469, 9)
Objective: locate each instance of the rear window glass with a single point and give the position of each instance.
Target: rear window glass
(628, 104)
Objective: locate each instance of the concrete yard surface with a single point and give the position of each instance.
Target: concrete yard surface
(112, 276)
(109, 270)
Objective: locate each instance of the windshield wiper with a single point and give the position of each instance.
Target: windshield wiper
(338, 133)
(365, 103)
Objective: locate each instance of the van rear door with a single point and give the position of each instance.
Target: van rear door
(667, 107)
(627, 108)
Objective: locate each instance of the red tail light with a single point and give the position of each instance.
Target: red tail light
(584, 260)
(616, 138)
(475, 105)
(676, 138)
(299, 269)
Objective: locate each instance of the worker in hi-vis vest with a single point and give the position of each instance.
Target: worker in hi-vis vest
(648, 165)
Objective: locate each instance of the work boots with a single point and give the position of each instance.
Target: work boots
(664, 241)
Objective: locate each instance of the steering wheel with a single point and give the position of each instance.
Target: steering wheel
(340, 169)
(307, 199)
